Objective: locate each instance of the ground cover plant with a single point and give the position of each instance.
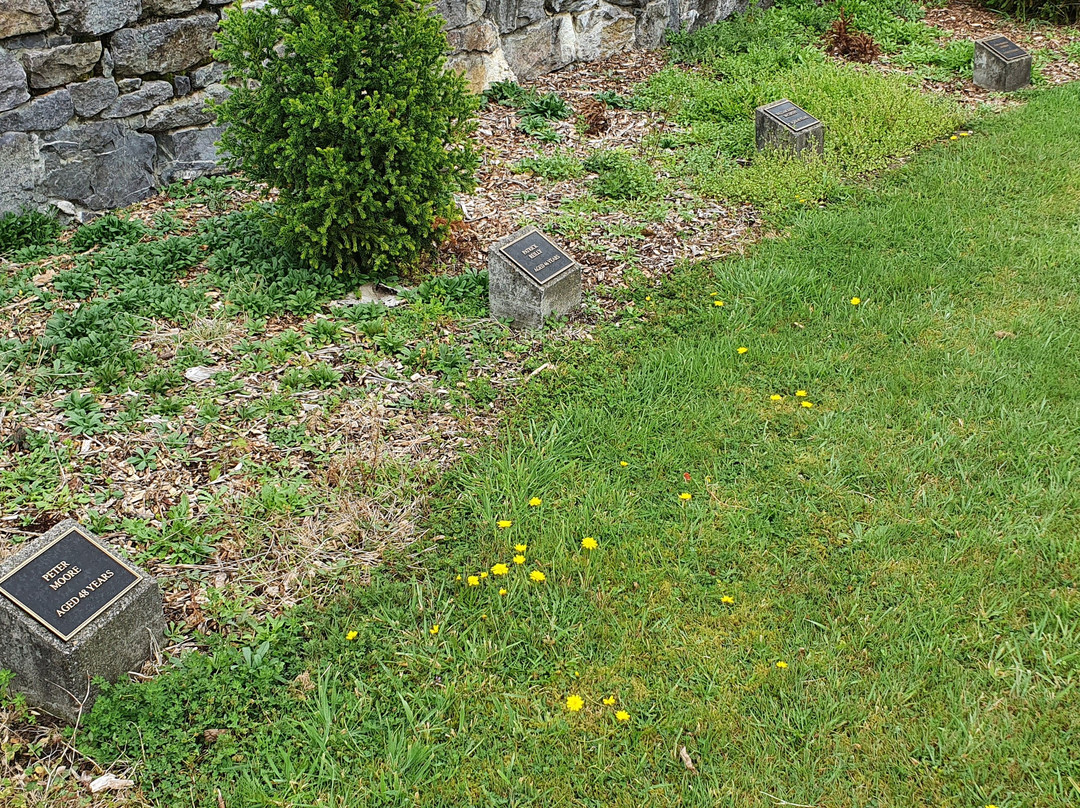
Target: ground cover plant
(870, 118)
(802, 530)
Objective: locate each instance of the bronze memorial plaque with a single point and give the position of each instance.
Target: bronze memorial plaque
(68, 583)
(793, 117)
(537, 256)
(1005, 48)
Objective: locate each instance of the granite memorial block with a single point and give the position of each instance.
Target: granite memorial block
(1001, 65)
(783, 125)
(529, 278)
(72, 610)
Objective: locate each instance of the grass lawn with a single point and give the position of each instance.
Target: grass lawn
(871, 601)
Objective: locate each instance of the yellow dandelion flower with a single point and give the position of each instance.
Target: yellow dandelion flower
(483, 617)
(500, 569)
(966, 134)
(800, 393)
(435, 629)
(521, 548)
(519, 559)
(623, 463)
(574, 703)
(537, 576)
(855, 301)
(352, 635)
(502, 591)
(536, 502)
(781, 665)
(685, 497)
(483, 575)
(776, 397)
(718, 302)
(622, 715)
(457, 577)
(504, 523)
(742, 349)
(953, 137)
(727, 599)
(609, 700)
(808, 404)
(474, 580)
(589, 543)
(647, 298)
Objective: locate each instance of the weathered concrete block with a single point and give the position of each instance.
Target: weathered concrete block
(169, 46)
(100, 165)
(189, 111)
(55, 66)
(19, 17)
(49, 111)
(22, 168)
(91, 97)
(1000, 65)
(783, 125)
(148, 96)
(97, 615)
(530, 278)
(189, 153)
(13, 84)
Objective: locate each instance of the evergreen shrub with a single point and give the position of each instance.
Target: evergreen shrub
(345, 106)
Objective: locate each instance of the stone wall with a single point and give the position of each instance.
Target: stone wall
(103, 101)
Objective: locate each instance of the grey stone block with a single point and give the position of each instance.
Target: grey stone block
(96, 17)
(515, 293)
(189, 153)
(91, 97)
(207, 74)
(99, 165)
(169, 46)
(24, 17)
(13, 85)
(190, 111)
(49, 111)
(56, 674)
(182, 85)
(783, 125)
(512, 15)
(129, 85)
(22, 168)
(480, 36)
(1000, 65)
(168, 8)
(144, 99)
(458, 13)
(652, 24)
(60, 65)
(540, 48)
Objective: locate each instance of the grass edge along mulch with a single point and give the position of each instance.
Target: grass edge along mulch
(869, 600)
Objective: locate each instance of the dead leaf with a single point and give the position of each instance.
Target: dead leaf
(687, 762)
(1005, 335)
